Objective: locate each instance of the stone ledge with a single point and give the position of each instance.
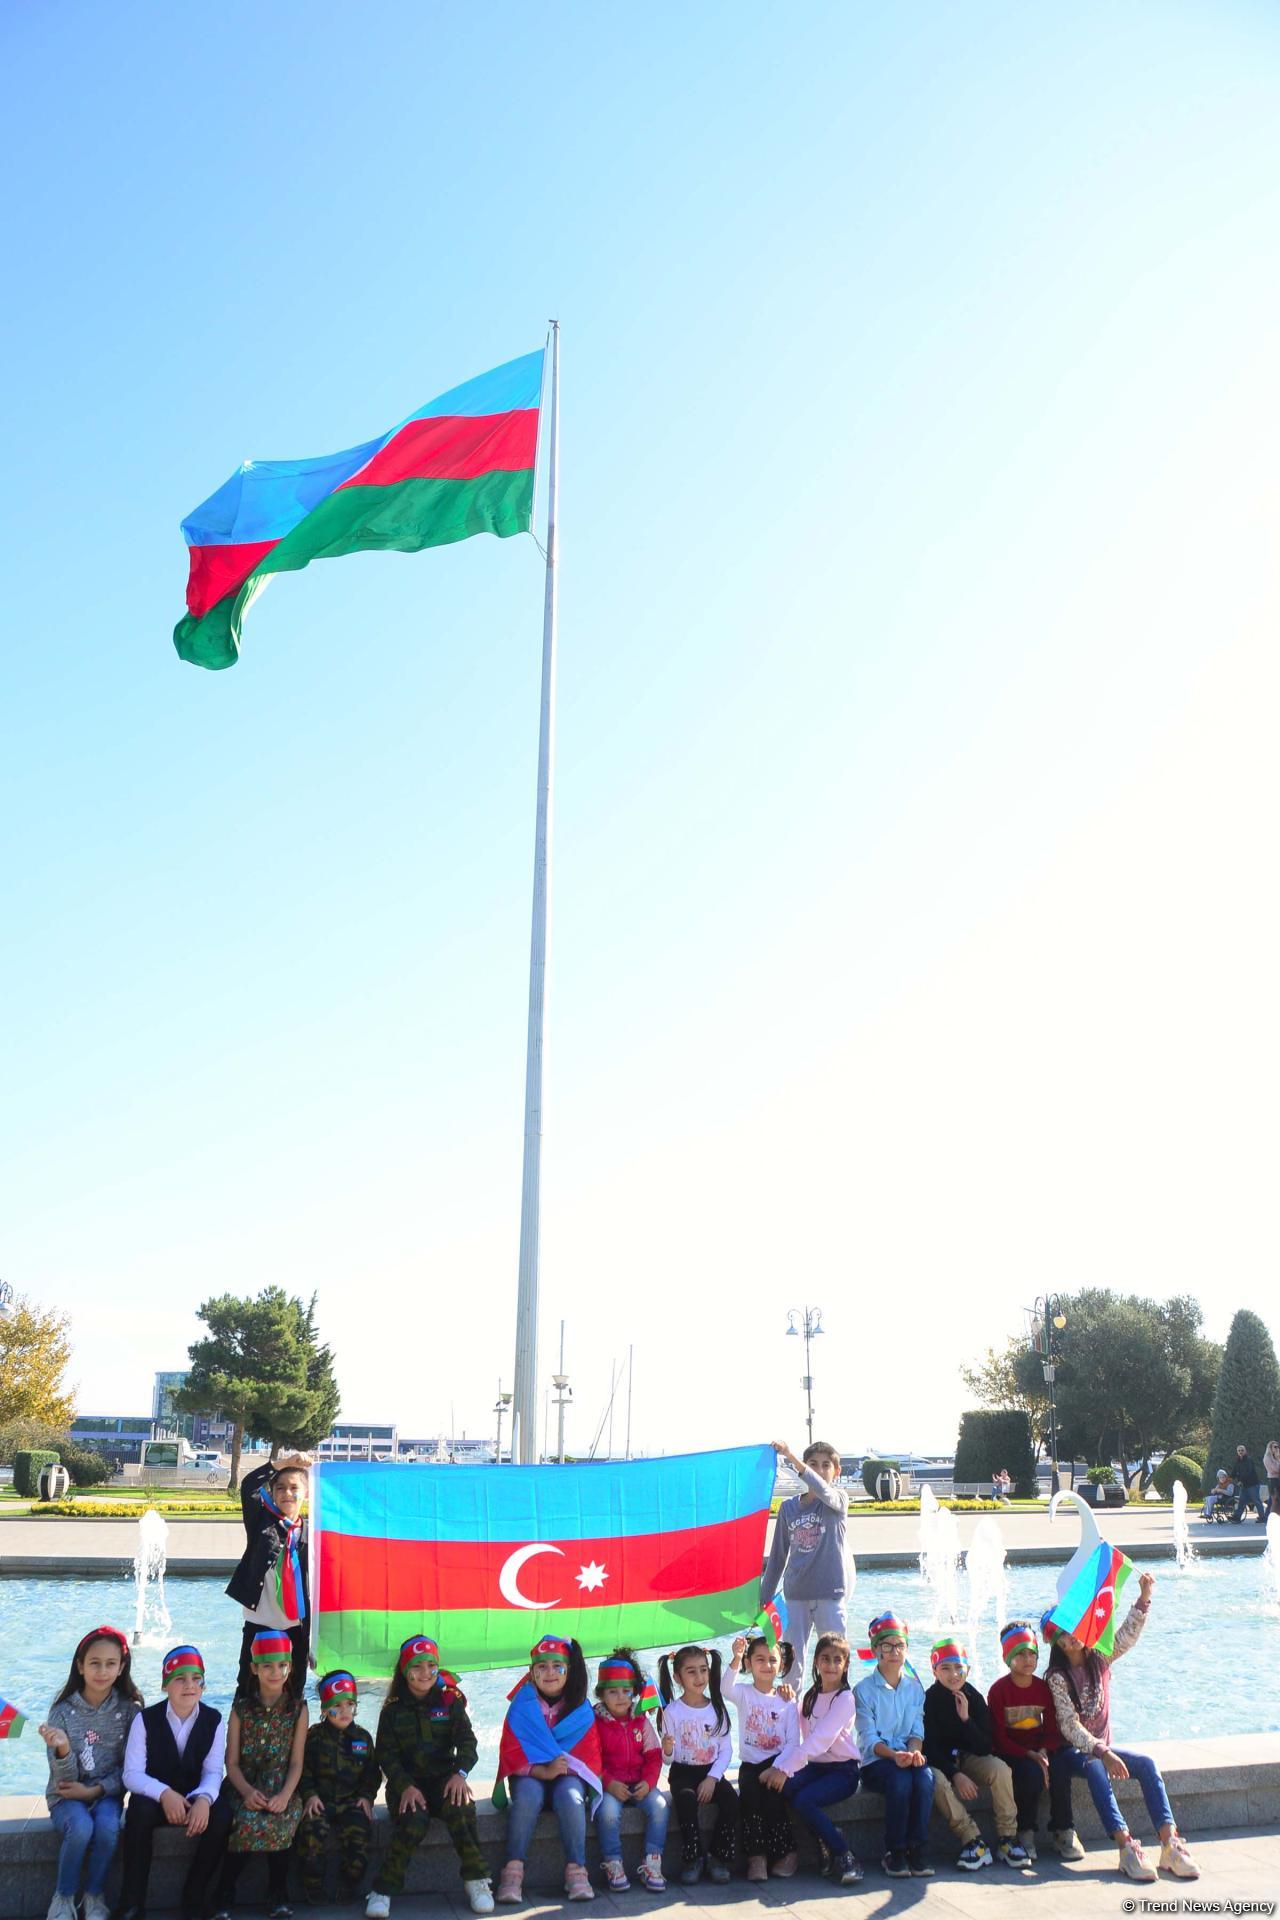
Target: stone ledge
(1213, 1785)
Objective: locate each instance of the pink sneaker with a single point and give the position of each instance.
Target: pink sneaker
(511, 1884)
(576, 1884)
(650, 1875)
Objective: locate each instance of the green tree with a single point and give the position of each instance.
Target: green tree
(263, 1367)
(1246, 1407)
(1002, 1380)
(35, 1351)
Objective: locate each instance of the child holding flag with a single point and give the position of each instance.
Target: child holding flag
(266, 1739)
(630, 1763)
(821, 1765)
(271, 1580)
(427, 1747)
(173, 1773)
(1080, 1682)
(767, 1722)
(1024, 1732)
(958, 1747)
(890, 1725)
(85, 1733)
(339, 1784)
(807, 1556)
(550, 1753)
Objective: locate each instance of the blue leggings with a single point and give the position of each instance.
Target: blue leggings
(567, 1798)
(1142, 1768)
(815, 1788)
(87, 1829)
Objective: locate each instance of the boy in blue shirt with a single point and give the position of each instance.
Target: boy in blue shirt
(890, 1731)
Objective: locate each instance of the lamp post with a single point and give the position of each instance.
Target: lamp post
(500, 1407)
(808, 1321)
(563, 1399)
(6, 1300)
(1047, 1321)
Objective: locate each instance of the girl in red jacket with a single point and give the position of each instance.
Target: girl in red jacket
(631, 1760)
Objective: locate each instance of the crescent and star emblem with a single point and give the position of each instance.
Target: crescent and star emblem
(589, 1577)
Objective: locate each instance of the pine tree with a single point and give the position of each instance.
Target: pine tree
(1246, 1408)
(262, 1366)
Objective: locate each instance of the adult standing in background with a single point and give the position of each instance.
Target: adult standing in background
(1248, 1489)
(1271, 1467)
(271, 1580)
(807, 1558)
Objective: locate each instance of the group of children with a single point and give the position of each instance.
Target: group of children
(268, 1782)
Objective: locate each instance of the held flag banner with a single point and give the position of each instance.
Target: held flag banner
(1089, 1607)
(11, 1721)
(640, 1553)
(462, 464)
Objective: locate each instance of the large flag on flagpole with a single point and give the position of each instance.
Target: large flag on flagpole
(640, 1553)
(462, 464)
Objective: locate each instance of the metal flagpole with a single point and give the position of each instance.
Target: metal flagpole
(524, 1405)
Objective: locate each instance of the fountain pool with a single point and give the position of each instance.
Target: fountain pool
(1205, 1665)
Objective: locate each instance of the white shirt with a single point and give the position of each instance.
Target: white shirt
(697, 1744)
(138, 1780)
(766, 1723)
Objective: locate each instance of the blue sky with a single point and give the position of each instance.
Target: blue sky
(912, 940)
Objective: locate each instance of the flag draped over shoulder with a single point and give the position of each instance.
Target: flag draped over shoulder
(529, 1740)
(462, 464)
(640, 1553)
(1089, 1607)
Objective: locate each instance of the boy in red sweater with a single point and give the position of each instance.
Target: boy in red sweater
(1024, 1732)
(631, 1760)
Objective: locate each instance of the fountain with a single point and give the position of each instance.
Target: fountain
(988, 1593)
(939, 1557)
(151, 1622)
(1271, 1558)
(1183, 1551)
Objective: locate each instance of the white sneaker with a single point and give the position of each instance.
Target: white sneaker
(1133, 1864)
(1175, 1858)
(377, 1906)
(62, 1907)
(480, 1895)
(1068, 1844)
(96, 1907)
(1027, 1841)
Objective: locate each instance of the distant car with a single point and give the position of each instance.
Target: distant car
(208, 1457)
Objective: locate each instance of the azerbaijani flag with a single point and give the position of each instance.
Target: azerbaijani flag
(462, 464)
(1087, 1609)
(527, 1740)
(11, 1721)
(771, 1620)
(486, 1560)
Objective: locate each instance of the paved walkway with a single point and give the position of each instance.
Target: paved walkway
(1240, 1867)
(884, 1539)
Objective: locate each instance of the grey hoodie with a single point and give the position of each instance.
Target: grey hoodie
(808, 1542)
(97, 1736)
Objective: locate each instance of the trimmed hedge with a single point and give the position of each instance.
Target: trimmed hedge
(27, 1467)
(1176, 1466)
(991, 1438)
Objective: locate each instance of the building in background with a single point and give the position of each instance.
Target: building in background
(203, 1430)
(120, 1436)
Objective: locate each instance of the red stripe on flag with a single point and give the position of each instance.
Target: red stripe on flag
(453, 449)
(218, 571)
(8, 1715)
(396, 1576)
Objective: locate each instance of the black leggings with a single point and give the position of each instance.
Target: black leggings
(766, 1827)
(277, 1876)
(684, 1783)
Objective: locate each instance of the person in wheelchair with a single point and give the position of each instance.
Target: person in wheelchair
(1217, 1505)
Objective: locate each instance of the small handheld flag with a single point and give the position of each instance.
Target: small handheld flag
(646, 1701)
(1087, 1610)
(11, 1721)
(771, 1620)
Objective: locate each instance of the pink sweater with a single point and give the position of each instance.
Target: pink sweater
(825, 1735)
(630, 1749)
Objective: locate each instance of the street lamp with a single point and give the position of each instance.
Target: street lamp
(810, 1325)
(1046, 1321)
(500, 1407)
(6, 1300)
(563, 1399)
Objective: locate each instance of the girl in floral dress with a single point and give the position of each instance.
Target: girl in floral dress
(266, 1740)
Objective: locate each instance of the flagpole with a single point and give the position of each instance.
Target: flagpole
(524, 1403)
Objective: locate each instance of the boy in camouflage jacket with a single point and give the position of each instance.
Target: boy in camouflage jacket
(340, 1778)
(426, 1748)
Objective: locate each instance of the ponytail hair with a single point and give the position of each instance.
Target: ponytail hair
(577, 1680)
(826, 1641)
(786, 1652)
(669, 1677)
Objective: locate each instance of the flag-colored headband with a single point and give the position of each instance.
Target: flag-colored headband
(270, 1645)
(885, 1624)
(336, 1687)
(104, 1633)
(948, 1649)
(418, 1648)
(617, 1673)
(1015, 1640)
(551, 1648)
(1049, 1628)
(181, 1660)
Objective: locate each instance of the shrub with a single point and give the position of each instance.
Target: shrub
(1246, 1407)
(873, 1466)
(86, 1467)
(27, 1465)
(1101, 1476)
(1176, 1466)
(1192, 1450)
(994, 1438)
